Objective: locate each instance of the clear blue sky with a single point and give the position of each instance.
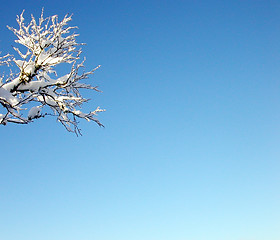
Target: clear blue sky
(191, 145)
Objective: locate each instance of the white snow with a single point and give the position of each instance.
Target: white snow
(34, 112)
(5, 95)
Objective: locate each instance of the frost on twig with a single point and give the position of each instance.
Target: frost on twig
(35, 90)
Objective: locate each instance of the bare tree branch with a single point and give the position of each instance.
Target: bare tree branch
(35, 86)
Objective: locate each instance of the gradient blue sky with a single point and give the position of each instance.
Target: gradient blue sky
(191, 145)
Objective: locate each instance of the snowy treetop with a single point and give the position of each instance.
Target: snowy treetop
(35, 85)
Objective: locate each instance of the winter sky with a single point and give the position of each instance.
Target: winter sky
(190, 149)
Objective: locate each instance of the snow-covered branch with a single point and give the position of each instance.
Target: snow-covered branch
(35, 89)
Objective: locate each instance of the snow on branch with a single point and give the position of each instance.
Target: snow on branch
(35, 89)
